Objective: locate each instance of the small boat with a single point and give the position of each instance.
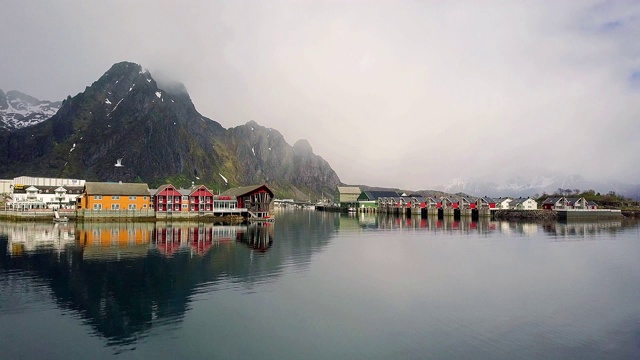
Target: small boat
(59, 219)
(352, 210)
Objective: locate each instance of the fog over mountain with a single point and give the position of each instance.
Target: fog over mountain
(401, 94)
(154, 134)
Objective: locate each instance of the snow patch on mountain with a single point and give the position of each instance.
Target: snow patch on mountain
(18, 110)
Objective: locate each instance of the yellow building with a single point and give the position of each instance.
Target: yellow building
(114, 196)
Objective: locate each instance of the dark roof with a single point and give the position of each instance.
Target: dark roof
(375, 195)
(591, 202)
(244, 190)
(125, 189)
(551, 200)
(520, 200)
(572, 200)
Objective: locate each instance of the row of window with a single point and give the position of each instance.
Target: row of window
(117, 207)
(184, 198)
(117, 197)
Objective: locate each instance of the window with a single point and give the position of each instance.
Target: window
(97, 197)
(144, 206)
(185, 198)
(97, 206)
(132, 206)
(133, 197)
(115, 197)
(115, 206)
(144, 198)
(185, 206)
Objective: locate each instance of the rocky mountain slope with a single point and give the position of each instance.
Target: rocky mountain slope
(160, 137)
(18, 110)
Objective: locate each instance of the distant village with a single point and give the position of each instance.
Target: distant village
(351, 197)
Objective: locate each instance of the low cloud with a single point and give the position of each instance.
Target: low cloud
(400, 94)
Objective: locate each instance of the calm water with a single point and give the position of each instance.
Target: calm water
(321, 286)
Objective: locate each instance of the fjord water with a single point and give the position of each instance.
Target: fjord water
(317, 285)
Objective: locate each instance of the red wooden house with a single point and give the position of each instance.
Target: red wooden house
(257, 199)
(167, 199)
(485, 203)
(200, 198)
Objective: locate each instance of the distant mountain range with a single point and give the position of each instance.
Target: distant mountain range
(521, 186)
(159, 135)
(18, 110)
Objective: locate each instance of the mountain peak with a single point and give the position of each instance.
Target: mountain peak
(153, 124)
(18, 110)
(302, 146)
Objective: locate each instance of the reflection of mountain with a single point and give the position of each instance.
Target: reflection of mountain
(123, 286)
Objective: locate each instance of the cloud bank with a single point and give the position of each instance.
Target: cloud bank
(391, 93)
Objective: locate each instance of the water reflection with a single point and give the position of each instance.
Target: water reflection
(483, 226)
(126, 278)
(127, 281)
(28, 237)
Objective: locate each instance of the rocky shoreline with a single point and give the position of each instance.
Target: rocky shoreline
(536, 215)
(633, 214)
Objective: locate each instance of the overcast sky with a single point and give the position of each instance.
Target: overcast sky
(407, 94)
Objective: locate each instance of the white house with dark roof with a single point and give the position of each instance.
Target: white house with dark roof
(523, 204)
(503, 202)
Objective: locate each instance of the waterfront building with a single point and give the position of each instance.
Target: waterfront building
(564, 203)
(167, 198)
(43, 197)
(257, 199)
(370, 199)
(485, 203)
(200, 198)
(114, 196)
(347, 196)
(502, 202)
(523, 204)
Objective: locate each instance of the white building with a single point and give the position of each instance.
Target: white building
(43, 197)
(523, 204)
(502, 203)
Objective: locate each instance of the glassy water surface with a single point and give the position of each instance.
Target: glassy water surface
(317, 285)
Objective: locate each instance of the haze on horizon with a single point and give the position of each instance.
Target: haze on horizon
(391, 93)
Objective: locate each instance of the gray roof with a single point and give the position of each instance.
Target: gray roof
(375, 195)
(124, 189)
(518, 201)
(243, 190)
(551, 200)
(349, 190)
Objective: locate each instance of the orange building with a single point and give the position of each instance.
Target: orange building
(114, 196)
